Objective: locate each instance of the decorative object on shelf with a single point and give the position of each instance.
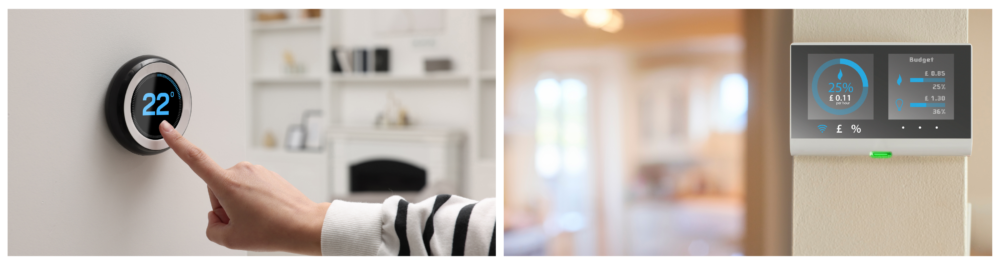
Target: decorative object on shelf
(437, 65)
(344, 59)
(295, 137)
(291, 66)
(335, 65)
(404, 118)
(269, 140)
(360, 60)
(311, 13)
(271, 15)
(393, 115)
(312, 122)
(381, 60)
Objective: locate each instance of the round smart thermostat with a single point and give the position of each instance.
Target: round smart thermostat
(145, 91)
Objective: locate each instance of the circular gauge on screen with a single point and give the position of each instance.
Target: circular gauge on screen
(840, 96)
(840, 87)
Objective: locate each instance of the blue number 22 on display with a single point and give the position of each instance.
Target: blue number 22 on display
(146, 112)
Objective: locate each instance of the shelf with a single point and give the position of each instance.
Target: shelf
(287, 80)
(409, 133)
(488, 75)
(281, 155)
(286, 25)
(488, 13)
(382, 78)
(349, 101)
(485, 163)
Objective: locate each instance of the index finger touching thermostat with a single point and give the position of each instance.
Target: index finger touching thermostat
(144, 92)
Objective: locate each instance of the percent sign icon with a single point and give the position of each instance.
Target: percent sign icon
(856, 128)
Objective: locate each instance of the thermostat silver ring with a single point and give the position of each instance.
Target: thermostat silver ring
(182, 84)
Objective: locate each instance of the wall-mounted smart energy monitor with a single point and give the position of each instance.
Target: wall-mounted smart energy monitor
(868, 98)
(144, 92)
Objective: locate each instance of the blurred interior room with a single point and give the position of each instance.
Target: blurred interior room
(360, 105)
(664, 132)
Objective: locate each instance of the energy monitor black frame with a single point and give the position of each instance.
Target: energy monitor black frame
(119, 105)
(900, 136)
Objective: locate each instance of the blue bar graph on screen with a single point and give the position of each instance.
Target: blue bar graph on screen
(926, 80)
(926, 105)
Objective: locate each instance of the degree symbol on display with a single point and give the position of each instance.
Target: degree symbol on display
(864, 84)
(899, 104)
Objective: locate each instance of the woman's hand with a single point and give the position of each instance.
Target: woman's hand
(252, 207)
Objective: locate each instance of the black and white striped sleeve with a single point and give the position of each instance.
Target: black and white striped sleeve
(444, 225)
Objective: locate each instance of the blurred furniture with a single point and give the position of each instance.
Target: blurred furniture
(463, 98)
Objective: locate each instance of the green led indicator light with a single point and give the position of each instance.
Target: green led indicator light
(881, 154)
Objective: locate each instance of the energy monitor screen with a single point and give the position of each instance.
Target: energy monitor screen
(926, 92)
(858, 98)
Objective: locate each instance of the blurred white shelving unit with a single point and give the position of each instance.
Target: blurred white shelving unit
(286, 80)
(380, 78)
(312, 23)
(463, 98)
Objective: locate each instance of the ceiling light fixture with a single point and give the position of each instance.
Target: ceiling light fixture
(573, 13)
(615, 24)
(608, 20)
(597, 18)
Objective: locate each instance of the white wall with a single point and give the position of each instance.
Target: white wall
(72, 189)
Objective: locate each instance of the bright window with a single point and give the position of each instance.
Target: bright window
(561, 150)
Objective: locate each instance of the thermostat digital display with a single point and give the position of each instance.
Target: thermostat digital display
(861, 98)
(156, 99)
(146, 91)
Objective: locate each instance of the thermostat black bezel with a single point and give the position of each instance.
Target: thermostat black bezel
(115, 100)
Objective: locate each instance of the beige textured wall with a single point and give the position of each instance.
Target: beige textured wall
(981, 160)
(911, 25)
(855, 205)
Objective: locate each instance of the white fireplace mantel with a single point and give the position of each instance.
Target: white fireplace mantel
(436, 150)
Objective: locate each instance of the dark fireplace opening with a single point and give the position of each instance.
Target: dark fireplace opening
(387, 175)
